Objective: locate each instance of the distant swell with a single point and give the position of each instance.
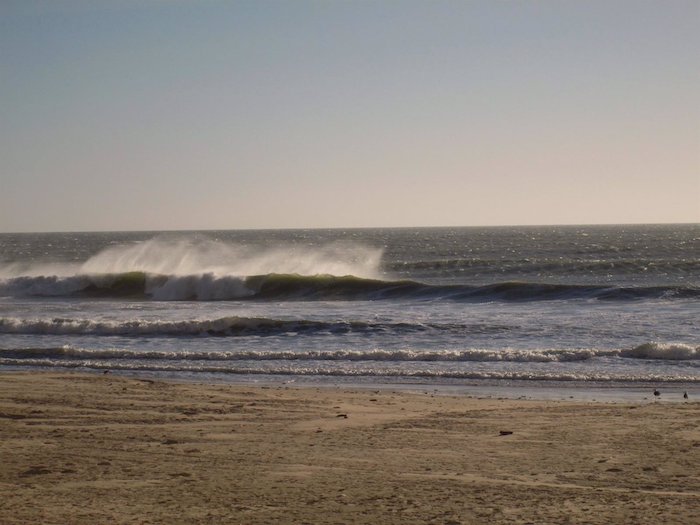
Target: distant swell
(291, 287)
(552, 266)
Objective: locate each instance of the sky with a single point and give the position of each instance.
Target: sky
(207, 114)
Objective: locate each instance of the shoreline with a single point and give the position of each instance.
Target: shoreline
(96, 448)
(480, 389)
(538, 390)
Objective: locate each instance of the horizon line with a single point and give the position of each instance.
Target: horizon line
(319, 228)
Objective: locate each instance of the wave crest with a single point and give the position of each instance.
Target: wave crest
(676, 352)
(229, 326)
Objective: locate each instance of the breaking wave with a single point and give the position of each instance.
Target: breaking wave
(202, 269)
(289, 287)
(228, 326)
(675, 352)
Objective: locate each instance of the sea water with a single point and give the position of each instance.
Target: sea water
(536, 306)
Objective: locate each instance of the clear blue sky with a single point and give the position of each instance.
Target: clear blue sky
(128, 114)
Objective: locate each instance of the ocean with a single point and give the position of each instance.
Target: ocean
(568, 306)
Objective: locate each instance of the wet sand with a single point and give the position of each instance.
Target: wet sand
(85, 448)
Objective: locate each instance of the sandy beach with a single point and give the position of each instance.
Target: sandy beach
(78, 448)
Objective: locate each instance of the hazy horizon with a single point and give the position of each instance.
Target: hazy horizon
(136, 115)
(408, 227)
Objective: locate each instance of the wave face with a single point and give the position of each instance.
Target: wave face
(275, 287)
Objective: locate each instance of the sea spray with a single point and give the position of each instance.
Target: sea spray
(199, 256)
(184, 268)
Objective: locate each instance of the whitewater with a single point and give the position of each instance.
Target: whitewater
(606, 305)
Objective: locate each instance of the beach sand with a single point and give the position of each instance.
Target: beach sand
(86, 448)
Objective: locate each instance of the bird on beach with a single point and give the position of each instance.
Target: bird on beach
(685, 395)
(656, 393)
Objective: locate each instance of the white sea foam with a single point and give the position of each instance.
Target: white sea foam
(222, 326)
(294, 369)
